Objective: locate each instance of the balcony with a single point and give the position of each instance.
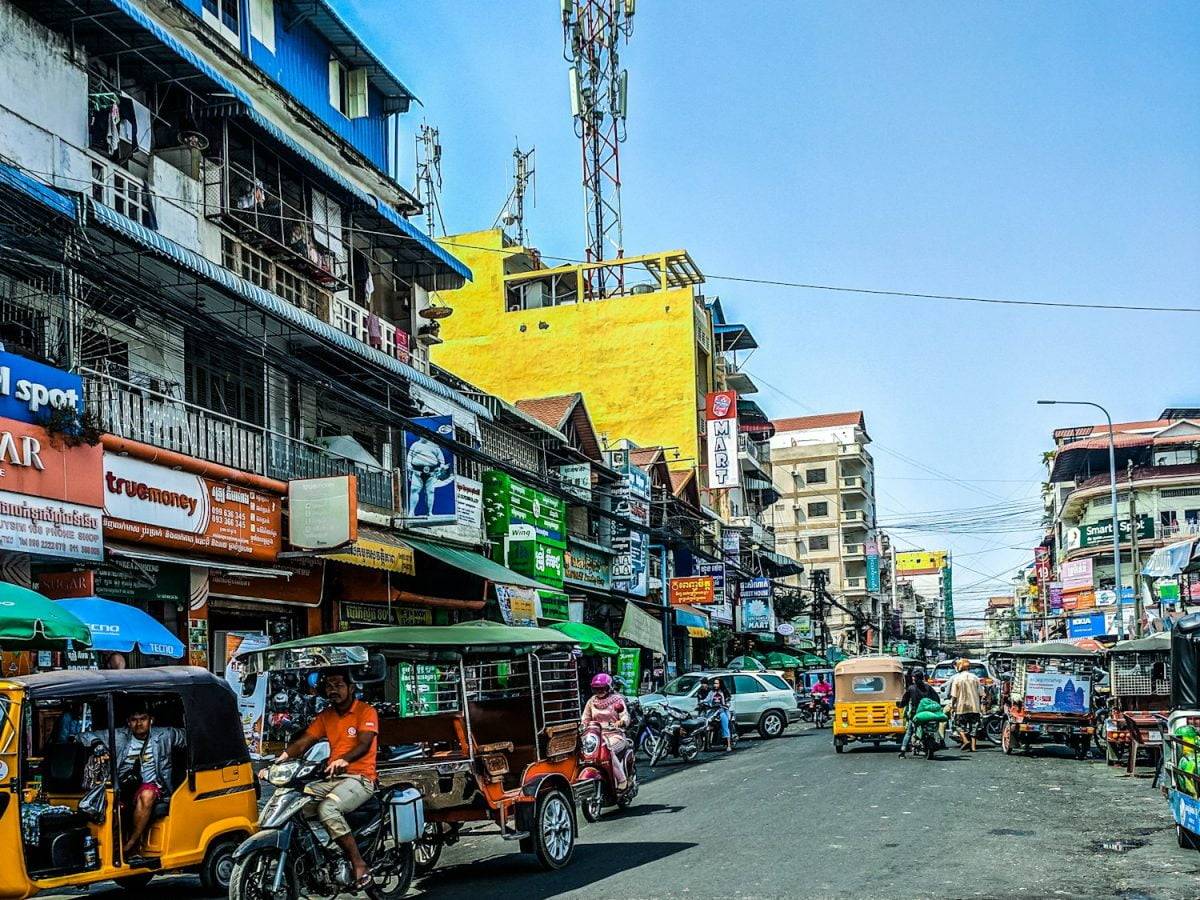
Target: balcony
(854, 551)
(853, 484)
(139, 414)
(758, 533)
(856, 586)
(585, 282)
(381, 334)
(755, 455)
(854, 518)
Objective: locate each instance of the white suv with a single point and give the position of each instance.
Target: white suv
(760, 700)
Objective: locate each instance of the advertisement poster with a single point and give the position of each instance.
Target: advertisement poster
(720, 413)
(731, 545)
(252, 709)
(577, 479)
(631, 564)
(1058, 693)
(429, 496)
(1100, 533)
(467, 527)
(872, 564)
(756, 605)
(1056, 596)
(693, 590)
(1092, 625)
(629, 670)
(322, 512)
(518, 606)
(198, 643)
(418, 689)
(587, 567)
(30, 390)
(721, 609)
(1076, 574)
(148, 503)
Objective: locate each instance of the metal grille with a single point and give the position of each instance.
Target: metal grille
(558, 694)
(501, 680)
(1141, 674)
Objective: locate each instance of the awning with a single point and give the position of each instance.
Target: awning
(1174, 559)
(734, 336)
(642, 629)
(182, 559)
(471, 562)
(784, 565)
(690, 618)
(376, 549)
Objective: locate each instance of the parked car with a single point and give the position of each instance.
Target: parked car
(760, 700)
(945, 670)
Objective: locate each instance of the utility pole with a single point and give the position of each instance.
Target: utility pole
(592, 31)
(1133, 554)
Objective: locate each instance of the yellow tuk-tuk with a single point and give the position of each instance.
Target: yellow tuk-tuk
(865, 692)
(62, 815)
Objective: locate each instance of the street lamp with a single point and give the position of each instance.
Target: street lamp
(1112, 481)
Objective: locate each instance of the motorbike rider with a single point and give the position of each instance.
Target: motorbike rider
(719, 699)
(352, 728)
(823, 691)
(913, 695)
(606, 708)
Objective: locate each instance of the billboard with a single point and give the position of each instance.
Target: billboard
(1055, 692)
(429, 489)
(31, 391)
(756, 605)
(920, 562)
(721, 418)
(872, 564)
(691, 590)
(1076, 575)
(631, 563)
(1101, 533)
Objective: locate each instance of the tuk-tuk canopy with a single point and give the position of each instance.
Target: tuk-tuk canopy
(1160, 643)
(1048, 649)
(424, 642)
(869, 679)
(211, 718)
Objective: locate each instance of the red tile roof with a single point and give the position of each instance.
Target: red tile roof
(1118, 427)
(552, 411)
(679, 480)
(644, 457)
(825, 420)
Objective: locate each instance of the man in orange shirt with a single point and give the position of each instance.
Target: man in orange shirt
(352, 728)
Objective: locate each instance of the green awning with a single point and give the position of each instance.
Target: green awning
(29, 621)
(591, 640)
(469, 561)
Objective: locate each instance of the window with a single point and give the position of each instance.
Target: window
(818, 542)
(815, 476)
(867, 684)
(1169, 520)
(746, 684)
(1184, 456)
(816, 510)
(123, 192)
(226, 17)
(262, 22)
(681, 687)
(776, 682)
(347, 90)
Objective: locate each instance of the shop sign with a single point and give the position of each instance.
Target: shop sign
(322, 512)
(152, 504)
(1086, 626)
(518, 606)
(467, 527)
(418, 692)
(1100, 533)
(30, 391)
(61, 585)
(533, 557)
(587, 567)
(756, 605)
(642, 628)
(577, 479)
(629, 670)
(721, 609)
(1106, 597)
(1168, 591)
(302, 588)
(802, 628)
(1056, 596)
(126, 580)
(198, 643)
(692, 590)
(373, 553)
(429, 474)
(507, 502)
(555, 606)
(252, 709)
(920, 562)
(1056, 692)
(1076, 574)
(731, 545)
(44, 527)
(631, 565)
(354, 615)
(872, 548)
(721, 418)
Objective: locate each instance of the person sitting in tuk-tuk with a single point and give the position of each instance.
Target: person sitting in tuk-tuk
(143, 767)
(352, 728)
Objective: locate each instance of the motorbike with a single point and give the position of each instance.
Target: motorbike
(292, 855)
(596, 757)
(927, 740)
(816, 710)
(712, 731)
(680, 734)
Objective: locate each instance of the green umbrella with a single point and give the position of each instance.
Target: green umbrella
(811, 660)
(591, 640)
(29, 621)
(777, 660)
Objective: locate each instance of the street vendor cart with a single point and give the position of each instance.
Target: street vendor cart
(1050, 697)
(481, 718)
(1139, 681)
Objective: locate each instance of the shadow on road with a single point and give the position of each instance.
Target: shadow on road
(647, 809)
(519, 873)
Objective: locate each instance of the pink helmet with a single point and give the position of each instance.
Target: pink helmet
(602, 680)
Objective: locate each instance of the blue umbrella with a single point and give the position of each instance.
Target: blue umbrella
(118, 627)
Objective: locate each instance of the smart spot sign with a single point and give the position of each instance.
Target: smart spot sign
(30, 391)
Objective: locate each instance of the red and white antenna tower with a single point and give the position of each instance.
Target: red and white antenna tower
(592, 30)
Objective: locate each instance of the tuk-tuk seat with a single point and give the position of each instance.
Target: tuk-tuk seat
(498, 747)
(444, 731)
(62, 767)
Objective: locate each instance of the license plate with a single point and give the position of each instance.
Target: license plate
(1155, 737)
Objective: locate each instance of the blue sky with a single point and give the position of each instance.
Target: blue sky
(1022, 150)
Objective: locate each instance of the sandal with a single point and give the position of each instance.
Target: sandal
(363, 883)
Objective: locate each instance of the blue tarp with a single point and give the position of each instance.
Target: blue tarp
(1172, 560)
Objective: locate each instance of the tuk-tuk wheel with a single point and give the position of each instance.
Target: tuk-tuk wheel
(217, 869)
(839, 745)
(1185, 839)
(1008, 739)
(1082, 747)
(135, 882)
(553, 829)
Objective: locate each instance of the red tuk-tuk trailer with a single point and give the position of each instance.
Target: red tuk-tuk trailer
(1050, 699)
(1139, 679)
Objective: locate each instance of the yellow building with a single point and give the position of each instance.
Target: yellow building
(642, 356)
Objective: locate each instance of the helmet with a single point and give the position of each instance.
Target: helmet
(601, 680)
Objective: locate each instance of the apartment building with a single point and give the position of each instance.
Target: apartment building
(825, 517)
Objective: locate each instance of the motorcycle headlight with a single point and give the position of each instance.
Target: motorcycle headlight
(590, 743)
(281, 774)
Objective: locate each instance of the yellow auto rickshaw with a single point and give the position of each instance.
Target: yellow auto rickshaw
(64, 794)
(865, 692)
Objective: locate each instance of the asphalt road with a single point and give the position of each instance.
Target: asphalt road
(790, 818)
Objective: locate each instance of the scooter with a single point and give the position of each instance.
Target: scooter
(927, 739)
(713, 739)
(596, 757)
(680, 734)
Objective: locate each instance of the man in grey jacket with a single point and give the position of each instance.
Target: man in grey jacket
(143, 766)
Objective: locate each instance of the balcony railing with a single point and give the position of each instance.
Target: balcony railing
(149, 417)
(753, 449)
(854, 551)
(853, 483)
(854, 517)
(760, 534)
(855, 585)
(379, 333)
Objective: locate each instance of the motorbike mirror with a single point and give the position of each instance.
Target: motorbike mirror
(373, 672)
(318, 752)
(249, 684)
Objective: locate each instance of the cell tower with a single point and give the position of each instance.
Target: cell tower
(429, 177)
(512, 216)
(592, 30)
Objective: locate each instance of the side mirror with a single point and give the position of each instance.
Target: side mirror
(373, 672)
(249, 684)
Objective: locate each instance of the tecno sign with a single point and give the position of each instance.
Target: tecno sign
(30, 390)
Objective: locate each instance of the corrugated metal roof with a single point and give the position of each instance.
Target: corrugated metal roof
(14, 178)
(732, 336)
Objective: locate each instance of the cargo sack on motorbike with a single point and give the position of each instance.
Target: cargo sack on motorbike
(929, 711)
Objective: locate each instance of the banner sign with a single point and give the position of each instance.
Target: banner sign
(31, 391)
(629, 670)
(1086, 626)
(1076, 575)
(587, 567)
(731, 545)
(693, 590)
(720, 413)
(531, 556)
(1100, 533)
(577, 479)
(1056, 596)
(756, 605)
(872, 564)
(322, 512)
(508, 502)
(631, 563)
(721, 609)
(429, 474)
(556, 606)
(643, 629)
(467, 527)
(518, 606)
(1057, 693)
(302, 588)
(920, 562)
(356, 615)
(252, 709)
(152, 504)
